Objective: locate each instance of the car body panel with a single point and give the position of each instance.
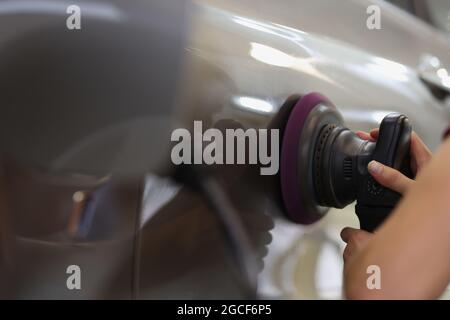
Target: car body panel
(242, 60)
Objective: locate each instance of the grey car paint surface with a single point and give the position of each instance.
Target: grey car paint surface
(239, 62)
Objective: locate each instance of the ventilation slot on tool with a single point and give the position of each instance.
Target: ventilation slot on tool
(348, 168)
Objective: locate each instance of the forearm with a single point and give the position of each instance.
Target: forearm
(412, 248)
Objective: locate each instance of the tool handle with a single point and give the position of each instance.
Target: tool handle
(371, 217)
(375, 202)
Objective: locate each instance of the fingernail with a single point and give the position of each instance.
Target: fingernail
(375, 167)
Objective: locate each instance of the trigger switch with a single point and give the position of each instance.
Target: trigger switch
(373, 187)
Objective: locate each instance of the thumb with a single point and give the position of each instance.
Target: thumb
(389, 178)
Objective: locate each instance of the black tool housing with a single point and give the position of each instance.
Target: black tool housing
(340, 168)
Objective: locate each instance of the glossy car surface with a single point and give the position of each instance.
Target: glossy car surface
(154, 238)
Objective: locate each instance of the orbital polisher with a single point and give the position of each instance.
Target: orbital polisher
(324, 164)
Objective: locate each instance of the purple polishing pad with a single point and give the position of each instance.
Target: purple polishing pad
(289, 174)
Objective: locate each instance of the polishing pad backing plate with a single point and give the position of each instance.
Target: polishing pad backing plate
(310, 114)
